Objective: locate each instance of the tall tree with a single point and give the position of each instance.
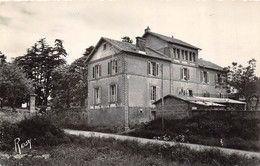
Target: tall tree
(70, 84)
(243, 79)
(15, 87)
(39, 63)
(127, 39)
(2, 58)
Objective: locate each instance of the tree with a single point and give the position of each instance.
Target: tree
(61, 88)
(39, 63)
(15, 87)
(2, 58)
(243, 79)
(70, 83)
(127, 39)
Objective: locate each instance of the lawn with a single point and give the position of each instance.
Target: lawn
(97, 151)
(228, 131)
(61, 149)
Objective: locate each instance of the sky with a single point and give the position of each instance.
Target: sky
(227, 31)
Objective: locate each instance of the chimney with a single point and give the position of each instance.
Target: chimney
(140, 44)
(147, 29)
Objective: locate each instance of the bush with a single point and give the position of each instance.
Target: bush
(235, 131)
(39, 129)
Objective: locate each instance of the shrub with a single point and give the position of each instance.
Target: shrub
(39, 129)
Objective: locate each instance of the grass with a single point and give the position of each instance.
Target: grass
(100, 151)
(234, 131)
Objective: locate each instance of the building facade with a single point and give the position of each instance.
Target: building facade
(124, 79)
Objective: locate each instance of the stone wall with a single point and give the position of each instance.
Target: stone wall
(108, 117)
(70, 116)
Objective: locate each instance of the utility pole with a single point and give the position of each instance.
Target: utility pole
(162, 98)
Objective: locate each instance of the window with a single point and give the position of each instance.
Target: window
(191, 56)
(204, 77)
(104, 46)
(219, 79)
(96, 71)
(182, 54)
(190, 93)
(184, 92)
(153, 93)
(194, 57)
(174, 53)
(178, 53)
(153, 68)
(112, 67)
(185, 74)
(186, 56)
(112, 91)
(206, 94)
(97, 95)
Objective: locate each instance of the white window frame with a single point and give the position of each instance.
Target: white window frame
(97, 95)
(112, 93)
(153, 68)
(96, 73)
(205, 77)
(185, 76)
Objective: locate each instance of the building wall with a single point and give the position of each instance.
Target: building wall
(173, 109)
(105, 81)
(139, 81)
(109, 117)
(101, 53)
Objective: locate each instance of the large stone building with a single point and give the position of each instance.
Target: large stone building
(125, 79)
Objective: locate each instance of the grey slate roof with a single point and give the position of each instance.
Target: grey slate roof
(129, 47)
(171, 40)
(208, 64)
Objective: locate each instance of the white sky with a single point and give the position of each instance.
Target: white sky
(226, 31)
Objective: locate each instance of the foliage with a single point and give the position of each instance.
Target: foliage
(15, 88)
(40, 130)
(2, 58)
(70, 83)
(243, 79)
(207, 130)
(39, 63)
(127, 39)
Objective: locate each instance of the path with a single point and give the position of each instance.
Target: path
(145, 141)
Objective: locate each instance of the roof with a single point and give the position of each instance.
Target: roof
(130, 48)
(205, 101)
(220, 100)
(210, 65)
(171, 40)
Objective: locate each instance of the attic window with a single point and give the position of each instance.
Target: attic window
(104, 46)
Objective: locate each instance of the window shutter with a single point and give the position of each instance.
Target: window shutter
(108, 68)
(201, 76)
(93, 72)
(216, 79)
(108, 94)
(148, 68)
(150, 92)
(99, 95)
(157, 93)
(181, 73)
(157, 69)
(116, 92)
(94, 97)
(188, 74)
(99, 70)
(207, 77)
(115, 66)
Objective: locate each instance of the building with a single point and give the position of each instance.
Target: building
(126, 79)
